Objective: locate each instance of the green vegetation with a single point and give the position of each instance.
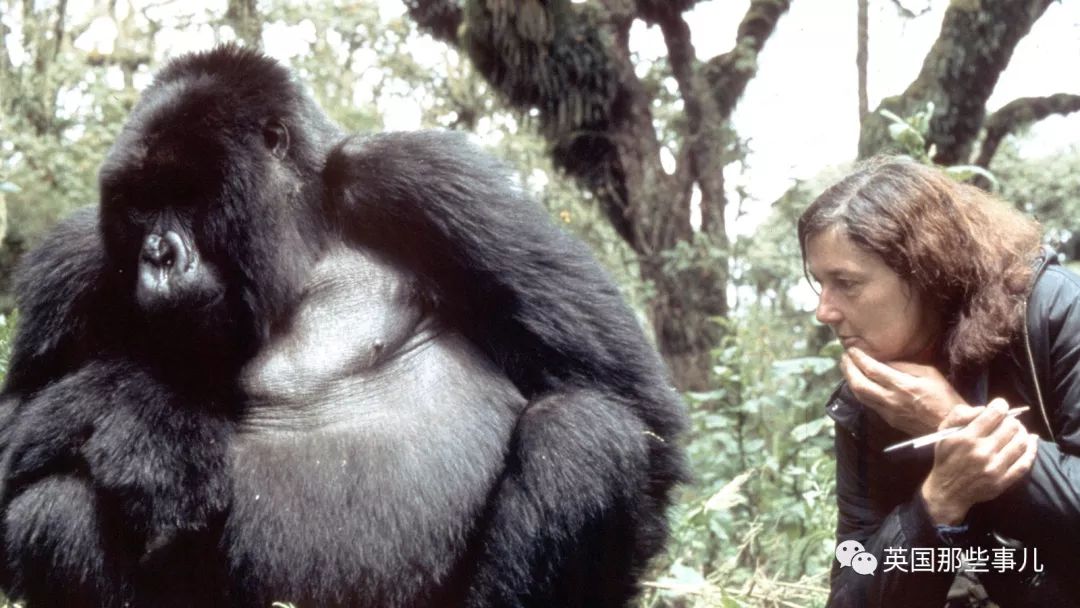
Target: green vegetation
(757, 526)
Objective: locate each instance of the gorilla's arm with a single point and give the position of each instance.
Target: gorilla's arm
(106, 473)
(58, 283)
(548, 311)
(93, 425)
(594, 453)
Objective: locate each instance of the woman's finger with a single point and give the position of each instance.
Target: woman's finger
(1023, 464)
(960, 415)
(1004, 433)
(1013, 443)
(868, 391)
(881, 374)
(988, 419)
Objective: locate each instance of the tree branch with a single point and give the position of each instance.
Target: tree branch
(958, 75)
(1018, 114)
(862, 56)
(658, 11)
(705, 167)
(636, 147)
(729, 73)
(243, 17)
(440, 18)
(907, 13)
(58, 28)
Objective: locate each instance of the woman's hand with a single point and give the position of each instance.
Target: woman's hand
(910, 397)
(978, 463)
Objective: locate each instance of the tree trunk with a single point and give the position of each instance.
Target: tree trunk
(243, 17)
(862, 56)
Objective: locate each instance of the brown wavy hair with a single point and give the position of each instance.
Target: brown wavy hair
(967, 252)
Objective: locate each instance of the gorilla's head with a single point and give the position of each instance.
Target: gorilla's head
(210, 198)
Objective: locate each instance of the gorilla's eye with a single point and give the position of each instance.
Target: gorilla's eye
(277, 138)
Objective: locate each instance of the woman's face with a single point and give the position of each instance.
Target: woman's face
(866, 304)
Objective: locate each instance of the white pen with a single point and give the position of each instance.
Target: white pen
(933, 438)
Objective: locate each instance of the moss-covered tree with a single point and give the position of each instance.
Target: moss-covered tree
(958, 76)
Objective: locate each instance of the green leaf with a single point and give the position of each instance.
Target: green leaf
(730, 495)
(966, 172)
(800, 365)
(683, 580)
(701, 397)
(893, 117)
(810, 429)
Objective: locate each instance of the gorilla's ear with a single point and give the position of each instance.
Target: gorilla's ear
(277, 138)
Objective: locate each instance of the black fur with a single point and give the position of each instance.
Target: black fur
(366, 372)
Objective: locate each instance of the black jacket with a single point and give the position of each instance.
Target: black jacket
(878, 494)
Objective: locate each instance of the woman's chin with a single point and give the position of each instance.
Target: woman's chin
(871, 351)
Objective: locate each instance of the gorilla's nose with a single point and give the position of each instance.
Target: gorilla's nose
(166, 271)
(164, 252)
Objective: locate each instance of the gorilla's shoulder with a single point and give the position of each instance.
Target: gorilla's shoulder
(444, 158)
(56, 282)
(59, 267)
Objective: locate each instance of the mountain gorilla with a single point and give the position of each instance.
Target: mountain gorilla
(283, 363)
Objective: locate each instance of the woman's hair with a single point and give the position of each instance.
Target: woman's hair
(967, 253)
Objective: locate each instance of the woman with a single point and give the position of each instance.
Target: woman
(949, 314)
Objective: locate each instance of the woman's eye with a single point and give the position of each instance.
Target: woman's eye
(845, 285)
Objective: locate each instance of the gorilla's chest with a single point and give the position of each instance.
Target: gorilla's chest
(377, 435)
(356, 321)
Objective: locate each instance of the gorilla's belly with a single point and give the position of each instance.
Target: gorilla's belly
(387, 490)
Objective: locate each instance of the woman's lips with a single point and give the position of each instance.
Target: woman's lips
(848, 341)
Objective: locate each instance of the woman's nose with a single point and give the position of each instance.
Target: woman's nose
(826, 313)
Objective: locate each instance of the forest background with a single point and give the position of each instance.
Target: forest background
(642, 127)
